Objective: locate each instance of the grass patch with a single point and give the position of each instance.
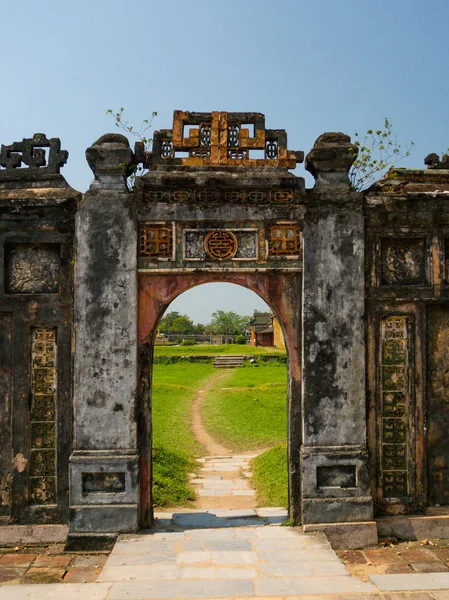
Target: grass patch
(270, 478)
(210, 349)
(174, 447)
(247, 409)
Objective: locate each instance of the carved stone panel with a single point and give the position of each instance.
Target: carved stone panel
(32, 269)
(438, 403)
(446, 260)
(403, 261)
(220, 244)
(156, 240)
(6, 340)
(43, 416)
(342, 476)
(394, 410)
(104, 482)
(284, 239)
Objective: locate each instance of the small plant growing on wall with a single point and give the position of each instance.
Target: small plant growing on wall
(375, 152)
(141, 133)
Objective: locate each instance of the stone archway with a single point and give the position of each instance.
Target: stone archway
(281, 291)
(207, 210)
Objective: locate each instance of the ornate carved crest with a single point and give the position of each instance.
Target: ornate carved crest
(31, 152)
(222, 139)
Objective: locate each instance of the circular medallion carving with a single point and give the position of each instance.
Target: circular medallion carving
(220, 244)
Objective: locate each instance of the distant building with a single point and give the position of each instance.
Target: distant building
(265, 330)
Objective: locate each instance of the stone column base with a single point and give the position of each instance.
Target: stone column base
(335, 510)
(104, 492)
(335, 484)
(414, 527)
(347, 536)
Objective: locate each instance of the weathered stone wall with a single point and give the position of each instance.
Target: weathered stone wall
(37, 218)
(349, 276)
(407, 228)
(104, 472)
(335, 477)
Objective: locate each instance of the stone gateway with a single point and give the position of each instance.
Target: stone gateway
(359, 283)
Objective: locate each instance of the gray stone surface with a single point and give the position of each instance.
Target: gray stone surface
(348, 536)
(56, 591)
(407, 527)
(105, 344)
(311, 585)
(106, 323)
(274, 560)
(334, 342)
(32, 534)
(104, 519)
(411, 582)
(142, 590)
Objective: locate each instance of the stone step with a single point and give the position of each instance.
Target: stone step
(223, 362)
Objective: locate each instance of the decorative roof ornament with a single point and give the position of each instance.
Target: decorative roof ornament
(220, 139)
(28, 159)
(433, 161)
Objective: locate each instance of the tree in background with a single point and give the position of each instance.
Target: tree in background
(227, 323)
(174, 322)
(166, 323)
(183, 324)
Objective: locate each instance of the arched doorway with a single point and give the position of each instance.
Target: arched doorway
(280, 292)
(209, 210)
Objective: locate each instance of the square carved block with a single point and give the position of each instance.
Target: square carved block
(32, 268)
(284, 239)
(156, 240)
(403, 261)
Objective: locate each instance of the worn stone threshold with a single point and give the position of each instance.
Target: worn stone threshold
(32, 534)
(415, 527)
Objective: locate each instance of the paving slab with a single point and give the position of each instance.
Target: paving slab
(218, 573)
(56, 591)
(154, 572)
(412, 581)
(220, 588)
(310, 585)
(235, 513)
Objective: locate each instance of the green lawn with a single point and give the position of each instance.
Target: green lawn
(249, 413)
(209, 349)
(174, 447)
(270, 477)
(248, 408)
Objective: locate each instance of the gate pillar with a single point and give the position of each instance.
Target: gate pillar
(104, 470)
(334, 458)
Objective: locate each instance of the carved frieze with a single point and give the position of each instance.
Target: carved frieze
(214, 195)
(403, 261)
(32, 269)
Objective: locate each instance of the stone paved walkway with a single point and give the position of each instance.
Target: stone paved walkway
(234, 554)
(223, 481)
(225, 561)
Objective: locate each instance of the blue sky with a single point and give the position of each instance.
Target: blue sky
(327, 65)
